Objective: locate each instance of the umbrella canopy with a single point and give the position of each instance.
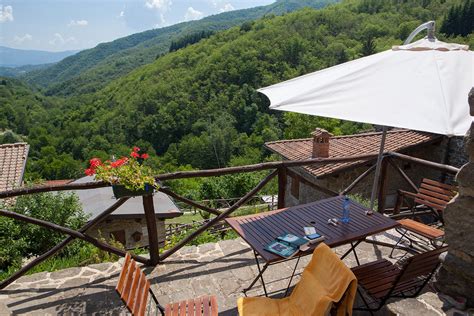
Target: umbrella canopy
(420, 86)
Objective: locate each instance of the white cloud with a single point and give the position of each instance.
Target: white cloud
(59, 40)
(6, 13)
(121, 14)
(160, 5)
(78, 23)
(227, 7)
(20, 39)
(192, 14)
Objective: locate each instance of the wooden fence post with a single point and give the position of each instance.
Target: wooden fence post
(152, 229)
(281, 186)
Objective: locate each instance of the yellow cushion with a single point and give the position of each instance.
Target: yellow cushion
(326, 280)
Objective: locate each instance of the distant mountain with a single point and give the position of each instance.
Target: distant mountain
(92, 69)
(15, 72)
(12, 57)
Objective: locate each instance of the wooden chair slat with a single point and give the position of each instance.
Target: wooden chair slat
(377, 276)
(369, 269)
(198, 306)
(123, 274)
(437, 195)
(190, 307)
(205, 306)
(437, 207)
(144, 299)
(134, 289)
(141, 285)
(214, 309)
(440, 184)
(437, 189)
(168, 309)
(182, 308)
(431, 199)
(421, 229)
(175, 309)
(128, 281)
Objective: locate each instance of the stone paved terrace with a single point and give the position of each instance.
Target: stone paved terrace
(222, 269)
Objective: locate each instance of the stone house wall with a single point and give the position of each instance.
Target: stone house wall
(456, 276)
(297, 192)
(131, 232)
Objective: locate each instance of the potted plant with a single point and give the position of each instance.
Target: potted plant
(128, 175)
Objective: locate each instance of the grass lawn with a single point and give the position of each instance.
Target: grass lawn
(244, 210)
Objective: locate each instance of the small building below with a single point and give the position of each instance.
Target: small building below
(126, 224)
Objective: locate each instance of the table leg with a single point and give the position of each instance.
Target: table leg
(259, 276)
(291, 278)
(352, 249)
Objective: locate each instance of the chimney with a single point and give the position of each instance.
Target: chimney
(321, 143)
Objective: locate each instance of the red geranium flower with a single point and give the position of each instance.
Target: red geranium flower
(118, 162)
(136, 149)
(144, 156)
(89, 171)
(134, 154)
(95, 162)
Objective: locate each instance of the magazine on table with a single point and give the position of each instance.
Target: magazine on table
(287, 245)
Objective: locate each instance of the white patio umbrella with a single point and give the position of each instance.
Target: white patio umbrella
(421, 86)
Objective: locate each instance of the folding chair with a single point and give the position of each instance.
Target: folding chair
(382, 279)
(134, 289)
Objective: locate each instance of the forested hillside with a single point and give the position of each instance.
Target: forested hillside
(92, 69)
(198, 107)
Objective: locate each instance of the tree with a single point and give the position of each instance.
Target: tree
(20, 241)
(368, 47)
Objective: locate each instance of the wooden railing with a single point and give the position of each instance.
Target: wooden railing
(279, 168)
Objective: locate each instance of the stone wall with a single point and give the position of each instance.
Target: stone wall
(456, 276)
(132, 232)
(434, 152)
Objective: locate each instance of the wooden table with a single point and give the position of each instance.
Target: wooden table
(258, 230)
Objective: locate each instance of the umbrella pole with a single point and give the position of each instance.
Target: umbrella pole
(377, 169)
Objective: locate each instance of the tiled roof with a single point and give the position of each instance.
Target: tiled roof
(12, 164)
(350, 145)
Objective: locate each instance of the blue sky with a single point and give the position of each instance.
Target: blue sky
(57, 25)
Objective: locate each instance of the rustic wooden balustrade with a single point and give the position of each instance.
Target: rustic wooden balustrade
(279, 168)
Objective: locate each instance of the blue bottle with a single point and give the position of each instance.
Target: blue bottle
(345, 210)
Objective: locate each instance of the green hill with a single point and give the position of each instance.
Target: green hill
(92, 69)
(199, 107)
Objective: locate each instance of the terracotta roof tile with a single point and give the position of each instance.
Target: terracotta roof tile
(350, 145)
(12, 164)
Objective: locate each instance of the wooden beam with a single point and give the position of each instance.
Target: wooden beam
(62, 244)
(260, 167)
(282, 181)
(402, 174)
(219, 218)
(382, 185)
(152, 229)
(357, 180)
(51, 188)
(312, 184)
(188, 201)
(189, 174)
(431, 164)
(68, 231)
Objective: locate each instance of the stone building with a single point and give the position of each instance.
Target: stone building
(306, 184)
(126, 224)
(456, 276)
